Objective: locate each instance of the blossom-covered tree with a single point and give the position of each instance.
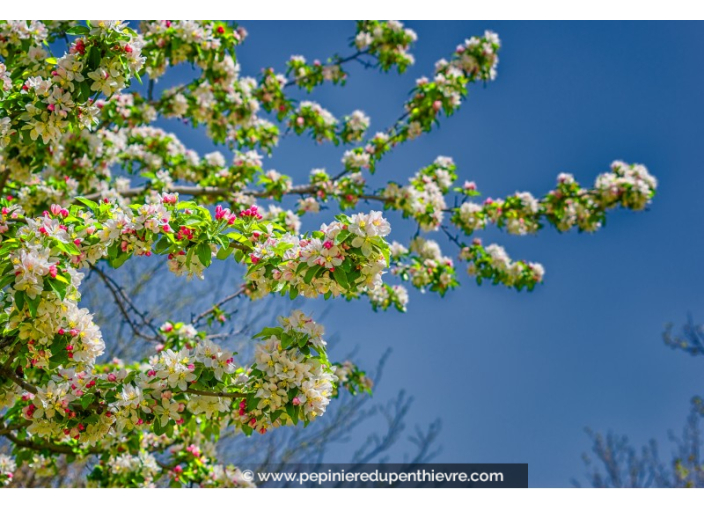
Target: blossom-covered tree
(88, 181)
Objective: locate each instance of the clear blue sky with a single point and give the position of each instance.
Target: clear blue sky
(516, 377)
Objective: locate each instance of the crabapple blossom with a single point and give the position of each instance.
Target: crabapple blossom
(7, 468)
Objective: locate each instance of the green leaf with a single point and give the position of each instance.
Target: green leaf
(89, 203)
(224, 253)
(115, 263)
(344, 234)
(19, 300)
(236, 236)
(87, 400)
(34, 305)
(158, 429)
(286, 341)
(162, 245)
(7, 280)
(312, 273)
(341, 278)
(85, 92)
(113, 251)
(204, 254)
(58, 287)
(94, 57)
(78, 30)
(292, 412)
(267, 332)
(130, 377)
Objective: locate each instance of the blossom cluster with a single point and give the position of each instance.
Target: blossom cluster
(567, 206)
(60, 94)
(7, 468)
(474, 61)
(192, 461)
(201, 42)
(291, 379)
(424, 198)
(163, 396)
(492, 263)
(308, 76)
(424, 266)
(389, 41)
(346, 257)
(311, 116)
(349, 376)
(57, 343)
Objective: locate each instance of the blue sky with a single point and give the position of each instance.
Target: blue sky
(515, 377)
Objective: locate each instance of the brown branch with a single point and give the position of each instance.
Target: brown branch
(210, 310)
(17, 426)
(214, 393)
(18, 380)
(53, 447)
(194, 191)
(119, 295)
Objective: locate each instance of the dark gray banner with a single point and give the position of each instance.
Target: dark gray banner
(390, 475)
